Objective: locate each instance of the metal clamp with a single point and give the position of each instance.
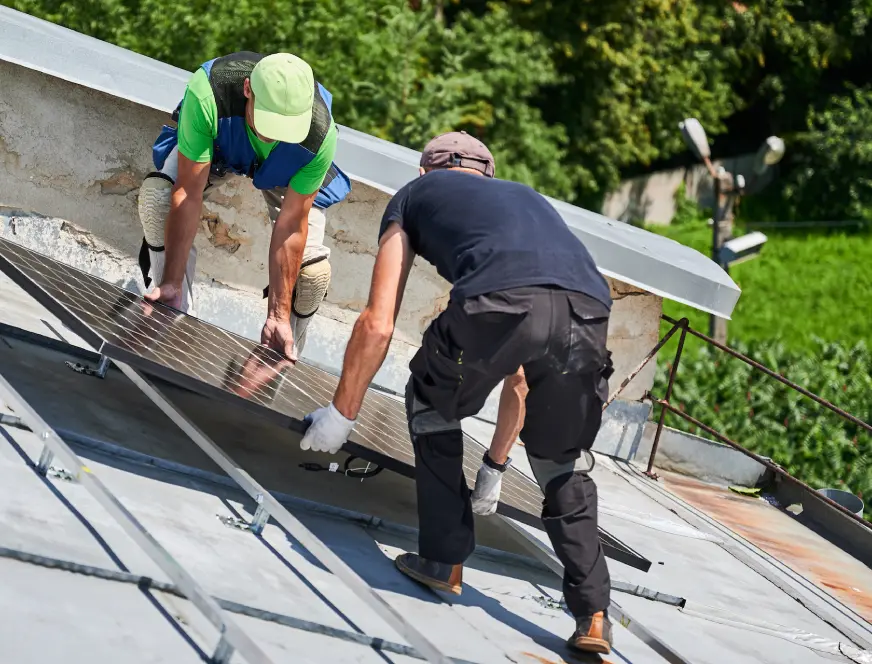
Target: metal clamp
(100, 372)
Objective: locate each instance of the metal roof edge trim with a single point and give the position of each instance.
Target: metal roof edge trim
(668, 296)
(71, 79)
(700, 287)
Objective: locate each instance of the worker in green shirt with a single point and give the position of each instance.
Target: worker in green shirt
(268, 119)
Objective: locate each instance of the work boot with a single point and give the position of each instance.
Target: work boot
(439, 576)
(592, 634)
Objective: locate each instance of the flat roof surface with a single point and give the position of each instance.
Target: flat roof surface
(744, 605)
(635, 256)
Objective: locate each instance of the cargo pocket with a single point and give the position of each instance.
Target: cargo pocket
(491, 332)
(438, 365)
(588, 334)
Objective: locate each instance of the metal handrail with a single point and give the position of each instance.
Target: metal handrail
(775, 468)
(666, 406)
(747, 360)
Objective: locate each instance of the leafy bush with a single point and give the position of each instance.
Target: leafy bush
(828, 166)
(687, 211)
(760, 413)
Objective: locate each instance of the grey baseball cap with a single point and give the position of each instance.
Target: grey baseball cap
(458, 149)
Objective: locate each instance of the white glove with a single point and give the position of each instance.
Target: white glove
(328, 430)
(486, 494)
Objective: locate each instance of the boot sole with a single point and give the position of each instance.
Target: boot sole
(587, 644)
(426, 580)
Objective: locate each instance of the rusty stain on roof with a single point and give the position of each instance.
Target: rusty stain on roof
(780, 535)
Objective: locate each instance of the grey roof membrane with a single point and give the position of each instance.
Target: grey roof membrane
(646, 260)
(743, 606)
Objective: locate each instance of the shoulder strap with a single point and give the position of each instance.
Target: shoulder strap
(227, 76)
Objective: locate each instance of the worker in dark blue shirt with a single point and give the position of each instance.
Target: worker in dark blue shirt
(527, 303)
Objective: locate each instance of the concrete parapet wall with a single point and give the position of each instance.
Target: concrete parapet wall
(72, 159)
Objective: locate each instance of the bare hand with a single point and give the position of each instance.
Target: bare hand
(278, 335)
(259, 373)
(168, 294)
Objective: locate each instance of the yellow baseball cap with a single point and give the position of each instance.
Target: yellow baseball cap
(284, 92)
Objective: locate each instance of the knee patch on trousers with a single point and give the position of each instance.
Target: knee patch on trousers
(311, 287)
(424, 419)
(154, 206)
(545, 470)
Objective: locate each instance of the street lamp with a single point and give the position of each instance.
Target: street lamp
(726, 249)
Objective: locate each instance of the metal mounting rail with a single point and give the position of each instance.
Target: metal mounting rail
(232, 637)
(269, 506)
(542, 553)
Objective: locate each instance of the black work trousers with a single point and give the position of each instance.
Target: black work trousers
(559, 337)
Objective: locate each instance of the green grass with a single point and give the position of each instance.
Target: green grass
(801, 286)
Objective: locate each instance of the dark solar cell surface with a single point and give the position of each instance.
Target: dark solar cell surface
(211, 361)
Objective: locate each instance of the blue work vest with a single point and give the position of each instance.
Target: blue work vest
(232, 148)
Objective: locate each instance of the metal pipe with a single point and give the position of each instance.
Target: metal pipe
(635, 372)
(134, 529)
(277, 511)
(716, 241)
(781, 379)
(147, 583)
(759, 459)
(366, 521)
(649, 471)
(546, 555)
(48, 342)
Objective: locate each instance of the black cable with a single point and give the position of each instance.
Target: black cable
(360, 473)
(347, 470)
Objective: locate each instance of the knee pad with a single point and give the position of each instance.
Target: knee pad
(311, 287)
(424, 419)
(154, 206)
(545, 470)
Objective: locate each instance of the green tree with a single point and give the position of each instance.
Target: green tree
(798, 62)
(396, 71)
(831, 174)
(630, 71)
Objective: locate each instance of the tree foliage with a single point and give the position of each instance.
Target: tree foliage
(572, 95)
(831, 174)
(630, 71)
(396, 72)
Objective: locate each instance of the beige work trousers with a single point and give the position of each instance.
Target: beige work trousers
(274, 198)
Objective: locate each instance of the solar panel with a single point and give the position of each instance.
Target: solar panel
(218, 364)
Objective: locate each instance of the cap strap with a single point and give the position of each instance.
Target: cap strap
(481, 165)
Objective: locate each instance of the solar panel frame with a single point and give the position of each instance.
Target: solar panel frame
(42, 272)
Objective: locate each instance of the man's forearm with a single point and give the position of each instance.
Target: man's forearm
(285, 255)
(510, 416)
(181, 228)
(366, 351)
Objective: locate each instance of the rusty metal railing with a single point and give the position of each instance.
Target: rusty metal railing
(667, 407)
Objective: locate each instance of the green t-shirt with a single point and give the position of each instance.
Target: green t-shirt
(198, 127)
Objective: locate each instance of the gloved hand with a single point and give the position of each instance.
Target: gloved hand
(486, 494)
(328, 430)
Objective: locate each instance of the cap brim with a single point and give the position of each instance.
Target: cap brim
(284, 128)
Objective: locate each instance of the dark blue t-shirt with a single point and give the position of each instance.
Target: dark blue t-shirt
(485, 235)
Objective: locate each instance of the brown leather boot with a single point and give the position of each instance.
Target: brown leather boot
(592, 634)
(439, 576)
